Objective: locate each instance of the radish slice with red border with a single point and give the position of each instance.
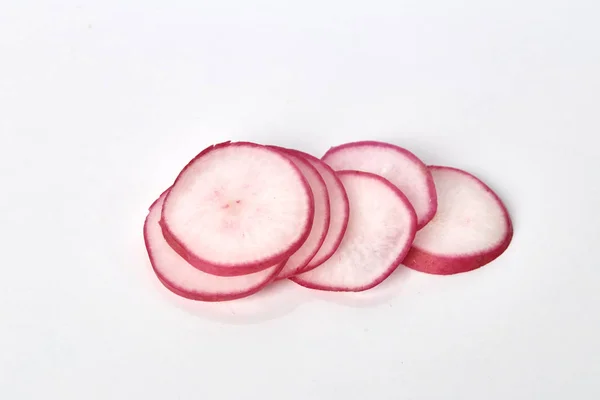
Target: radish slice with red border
(471, 228)
(184, 280)
(339, 211)
(401, 167)
(238, 208)
(304, 254)
(381, 228)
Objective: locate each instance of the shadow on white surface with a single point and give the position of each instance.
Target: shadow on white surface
(274, 301)
(281, 298)
(380, 294)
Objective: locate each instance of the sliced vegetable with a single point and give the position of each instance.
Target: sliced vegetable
(381, 228)
(185, 280)
(238, 208)
(471, 228)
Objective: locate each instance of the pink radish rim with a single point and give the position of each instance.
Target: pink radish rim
(342, 232)
(300, 155)
(397, 261)
(429, 179)
(222, 269)
(449, 264)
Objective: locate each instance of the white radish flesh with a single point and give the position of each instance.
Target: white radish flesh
(238, 208)
(185, 280)
(401, 167)
(339, 211)
(309, 248)
(381, 228)
(471, 228)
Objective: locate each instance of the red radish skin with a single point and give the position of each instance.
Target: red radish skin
(237, 208)
(381, 228)
(339, 211)
(471, 229)
(187, 281)
(309, 248)
(396, 164)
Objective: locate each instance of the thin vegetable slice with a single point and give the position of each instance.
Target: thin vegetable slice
(309, 248)
(183, 279)
(339, 211)
(238, 208)
(381, 228)
(396, 164)
(471, 228)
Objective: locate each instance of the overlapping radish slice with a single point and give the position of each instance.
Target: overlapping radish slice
(401, 167)
(381, 228)
(241, 215)
(237, 208)
(339, 211)
(309, 248)
(470, 229)
(185, 280)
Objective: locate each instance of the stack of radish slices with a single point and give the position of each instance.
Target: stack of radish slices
(242, 215)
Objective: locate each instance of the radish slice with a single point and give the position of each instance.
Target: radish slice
(238, 208)
(381, 228)
(186, 281)
(339, 211)
(304, 254)
(471, 228)
(401, 167)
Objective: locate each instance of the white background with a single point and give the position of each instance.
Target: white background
(101, 104)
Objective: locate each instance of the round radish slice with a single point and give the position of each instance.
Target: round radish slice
(381, 228)
(398, 165)
(237, 208)
(339, 211)
(306, 252)
(471, 227)
(183, 279)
